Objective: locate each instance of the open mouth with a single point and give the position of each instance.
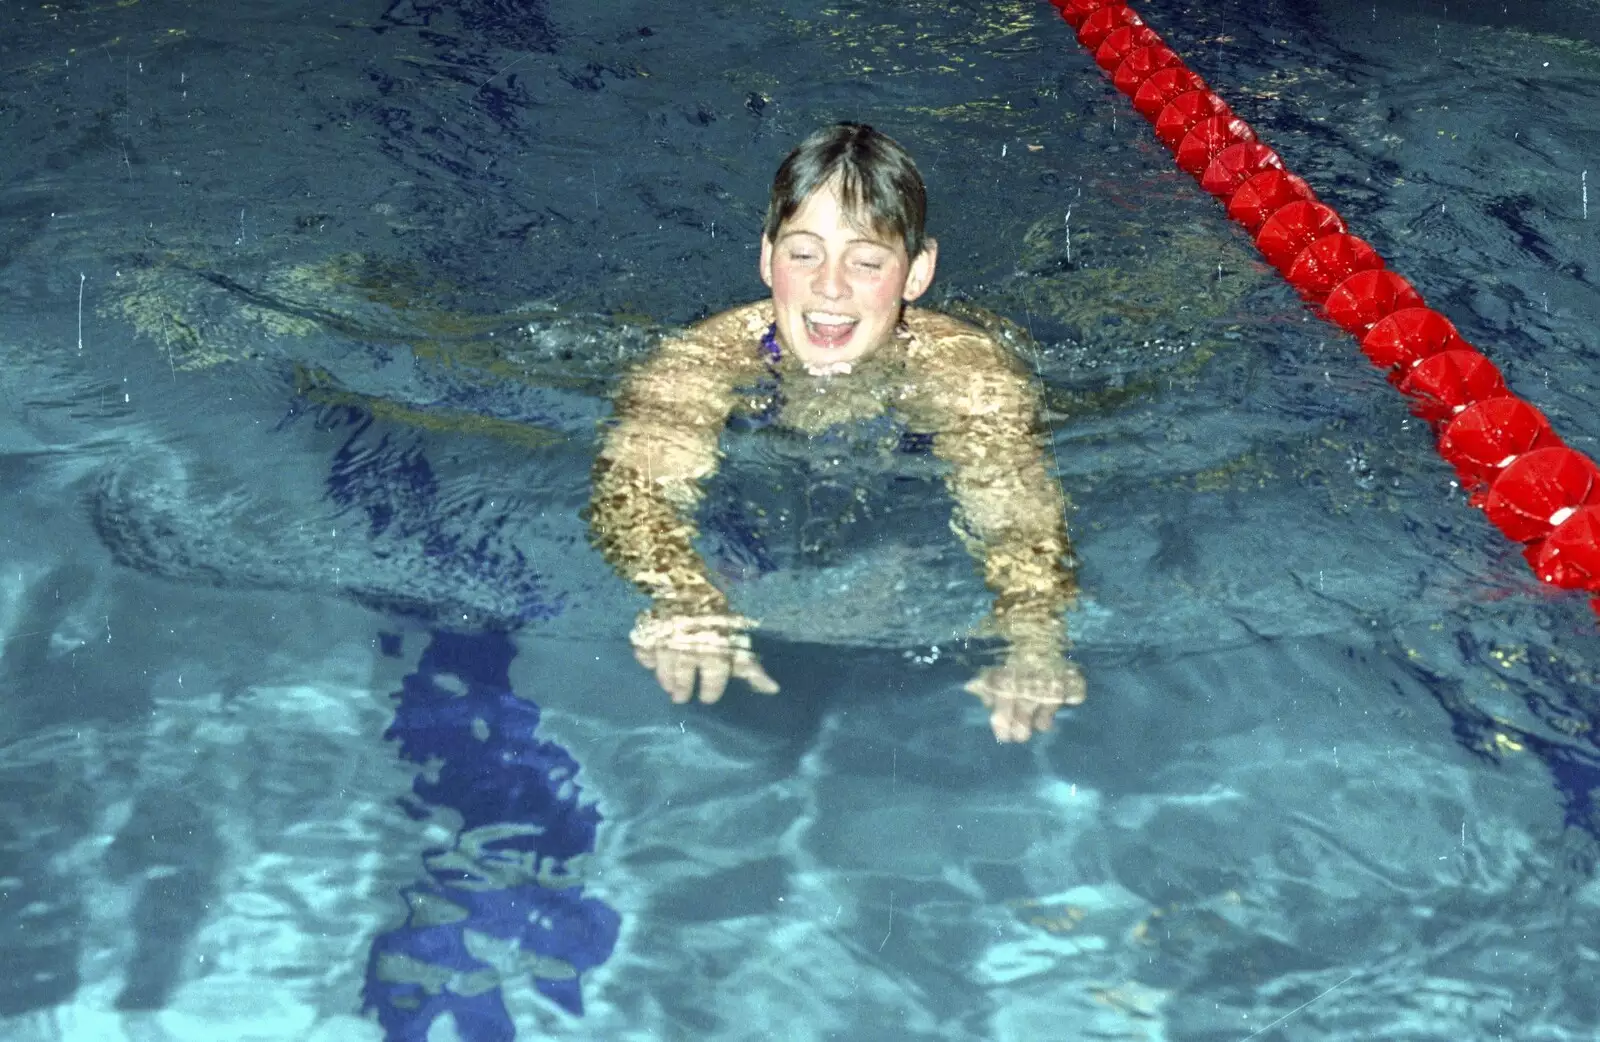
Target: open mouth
(830, 331)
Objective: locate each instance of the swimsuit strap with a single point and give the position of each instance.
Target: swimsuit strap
(769, 385)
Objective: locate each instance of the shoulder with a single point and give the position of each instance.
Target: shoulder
(702, 361)
(734, 327)
(727, 340)
(946, 344)
(963, 375)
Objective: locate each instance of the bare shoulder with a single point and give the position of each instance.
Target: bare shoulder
(938, 328)
(963, 367)
(689, 379)
(712, 351)
(732, 330)
(944, 343)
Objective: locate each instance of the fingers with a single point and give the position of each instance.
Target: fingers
(747, 668)
(714, 671)
(1022, 701)
(1016, 719)
(1007, 724)
(678, 668)
(1003, 707)
(675, 671)
(1012, 714)
(981, 687)
(1076, 689)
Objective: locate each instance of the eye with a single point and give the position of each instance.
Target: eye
(868, 260)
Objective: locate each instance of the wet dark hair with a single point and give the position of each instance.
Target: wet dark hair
(878, 182)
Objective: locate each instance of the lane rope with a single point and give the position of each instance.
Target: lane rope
(1538, 491)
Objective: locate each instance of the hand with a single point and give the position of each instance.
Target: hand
(1023, 693)
(714, 648)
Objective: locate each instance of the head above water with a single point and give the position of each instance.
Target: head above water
(876, 179)
(843, 247)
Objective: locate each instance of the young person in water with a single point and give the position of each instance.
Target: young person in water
(844, 253)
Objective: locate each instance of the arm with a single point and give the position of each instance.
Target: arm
(647, 484)
(1010, 512)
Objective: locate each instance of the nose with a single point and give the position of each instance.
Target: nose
(830, 282)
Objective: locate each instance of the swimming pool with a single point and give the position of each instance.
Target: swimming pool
(322, 719)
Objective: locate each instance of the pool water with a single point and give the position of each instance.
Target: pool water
(321, 719)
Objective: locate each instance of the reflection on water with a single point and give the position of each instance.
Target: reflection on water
(504, 901)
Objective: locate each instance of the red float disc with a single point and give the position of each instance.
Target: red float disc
(1162, 87)
(1185, 112)
(1356, 304)
(1140, 65)
(1292, 228)
(1569, 557)
(1207, 140)
(1264, 195)
(1123, 42)
(1327, 262)
(1534, 494)
(1076, 12)
(1444, 384)
(1406, 337)
(1101, 23)
(1485, 437)
(1236, 165)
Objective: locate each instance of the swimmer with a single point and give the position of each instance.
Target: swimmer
(844, 253)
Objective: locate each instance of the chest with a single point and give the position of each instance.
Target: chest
(814, 405)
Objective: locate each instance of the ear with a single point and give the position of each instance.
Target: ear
(766, 261)
(920, 277)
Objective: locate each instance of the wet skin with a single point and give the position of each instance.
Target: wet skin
(839, 296)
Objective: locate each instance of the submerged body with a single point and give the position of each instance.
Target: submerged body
(939, 377)
(838, 344)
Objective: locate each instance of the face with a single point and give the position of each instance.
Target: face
(838, 289)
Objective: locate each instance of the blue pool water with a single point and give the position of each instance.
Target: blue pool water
(322, 723)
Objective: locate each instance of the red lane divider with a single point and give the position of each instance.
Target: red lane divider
(1264, 195)
(1328, 262)
(1178, 116)
(1487, 437)
(1293, 227)
(1532, 487)
(1164, 86)
(1405, 337)
(1540, 490)
(1236, 165)
(1443, 385)
(1141, 64)
(1361, 301)
(1210, 138)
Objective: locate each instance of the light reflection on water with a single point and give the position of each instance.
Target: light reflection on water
(356, 287)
